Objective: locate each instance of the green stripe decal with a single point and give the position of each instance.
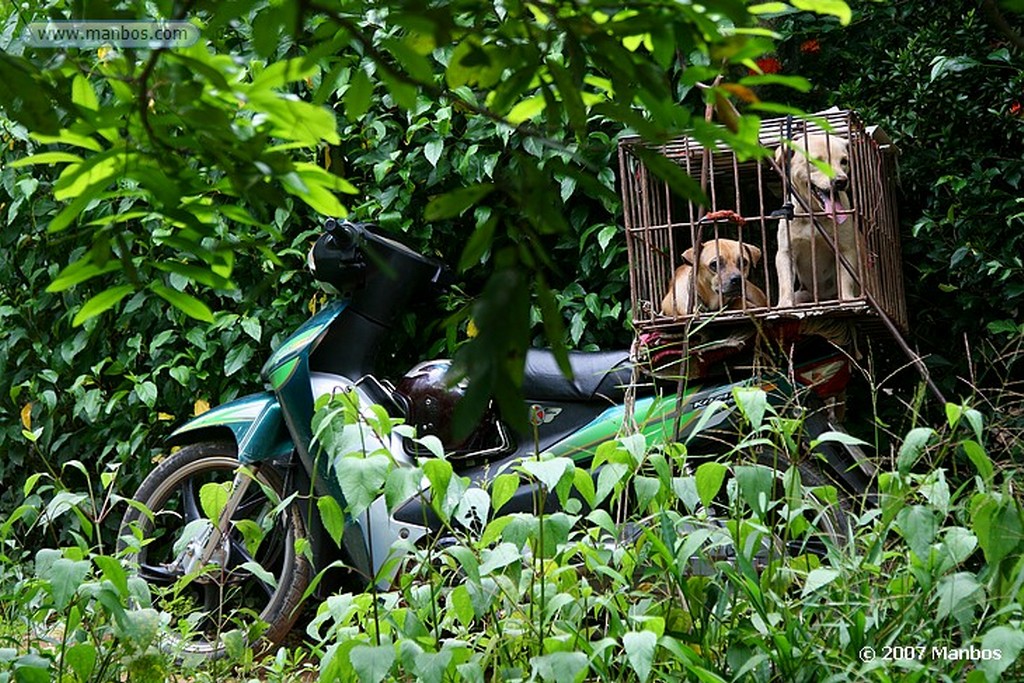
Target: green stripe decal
(281, 374)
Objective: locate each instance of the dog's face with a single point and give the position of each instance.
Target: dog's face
(826, 194)
(722, 268)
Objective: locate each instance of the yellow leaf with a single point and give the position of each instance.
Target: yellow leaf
(26, 416)
(471, 329)
(201, 407)
(167, 416)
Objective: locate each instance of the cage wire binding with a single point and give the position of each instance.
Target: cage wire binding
(749, 200)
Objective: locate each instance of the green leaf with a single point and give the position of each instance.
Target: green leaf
(608, 476)
(503, 488)
(266, 31)
(31, 668)
(454, 203)
(943, 65)
(752, 402)
(646, 489)
(549, 472)
(838, 437)
(918, 526)
(358, 95)
(913, 447)
(252, 534)
(430, 667)
(257, 570)
(236, 359)
(415, 64)
(213, 497)
(478, 245)
(501, 556)
(560, 667)
(755, 482)
(64, 576)
(293, 119)
(997, 524)
(66, 137)
(575, 110)
(332, 517)
(979, 458)
(402, 484)
(372, 664)
(205, 276)
(583, 481)
(45, 158)
(639, 646)
(432, 150)
(82, 93)
(710, 476)
(147, 393)
(404, 94)
(98, 169)
(79, 271)
(1006, 640)
(461, 604)
(525, 110)
(958, 595)
(818, 578)
(361, 479)
(186, 303)
(284, 71)
(769, 8)
(106, 299)
(836, 8)
(81, 657)
(70, 212)
(473, 63)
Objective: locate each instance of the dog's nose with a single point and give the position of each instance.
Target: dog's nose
(841, 183)
(733, 283)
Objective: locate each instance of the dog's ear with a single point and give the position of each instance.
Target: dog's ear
(688, 256)
(753, 253)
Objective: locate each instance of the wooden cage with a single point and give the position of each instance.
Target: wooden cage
(854, 271)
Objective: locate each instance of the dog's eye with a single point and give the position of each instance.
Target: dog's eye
(713, 265)
(746, 264)
(844, 162)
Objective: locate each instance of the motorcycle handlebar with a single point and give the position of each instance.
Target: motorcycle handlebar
(343, 235)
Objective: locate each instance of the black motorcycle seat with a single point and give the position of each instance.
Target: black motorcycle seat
(597, 376)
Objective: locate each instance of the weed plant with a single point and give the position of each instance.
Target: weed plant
(656, 567)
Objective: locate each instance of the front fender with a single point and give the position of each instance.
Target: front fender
(255, 422)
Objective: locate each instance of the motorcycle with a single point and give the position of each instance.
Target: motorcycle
(223, 528)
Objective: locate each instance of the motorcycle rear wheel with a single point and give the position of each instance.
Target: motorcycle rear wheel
(259, 579)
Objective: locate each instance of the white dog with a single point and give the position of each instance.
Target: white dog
(802, 279)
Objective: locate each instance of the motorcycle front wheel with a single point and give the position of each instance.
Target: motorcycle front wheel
(253, 580)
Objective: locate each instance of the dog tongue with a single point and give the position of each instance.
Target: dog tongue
(830, 208)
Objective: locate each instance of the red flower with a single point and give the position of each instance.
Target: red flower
(811, 47)
(1016, 109)
(769, 65)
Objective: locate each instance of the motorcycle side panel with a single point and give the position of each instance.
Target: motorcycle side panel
(301, 342)
(255, 422)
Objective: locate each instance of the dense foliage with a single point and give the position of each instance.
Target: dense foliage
(945, 82)
(156, 211)
(667, 576)
(191, 177)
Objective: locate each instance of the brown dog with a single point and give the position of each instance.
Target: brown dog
(805, 263)
(721, 280)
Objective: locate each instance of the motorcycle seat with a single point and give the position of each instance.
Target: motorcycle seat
(597, 376)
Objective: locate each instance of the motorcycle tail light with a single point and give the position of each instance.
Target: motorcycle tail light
(826, 377)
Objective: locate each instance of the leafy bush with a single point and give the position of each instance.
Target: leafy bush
(927, 584)
(945, 82)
